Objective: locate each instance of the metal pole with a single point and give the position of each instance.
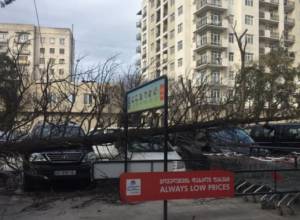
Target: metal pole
(166, 142)
(126, 136)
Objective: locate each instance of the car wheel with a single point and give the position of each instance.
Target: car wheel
(28, 183)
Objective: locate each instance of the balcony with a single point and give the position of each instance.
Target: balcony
(268, 35)
(144, 42)
(271, 18)
(289, 22)
(289, 39)
(3, 47)
(216, 25)
(210, 45)
(138, 24)
(138, 49)
(138, 63)
(202, 64)
(269, 3)
(144, 28)
(289, 6)
(138, 37)
(213, 5)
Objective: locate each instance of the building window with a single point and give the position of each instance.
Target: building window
(249, 2)
(3, 35)
(172, 50)
(87, 99)
(52, 40)
(43, 40)
(231, 19)
(52, 61)
(172, 2)
(231, 37)
(61, 51)
(215, 77)
(52, 50)
(231, 75)
(52, 72)
(179, 28)
(172, 17)
(42, 60)
(42, 50)
(62, 41)
(172, 66)
(216, 19)
(249, 19)
(23, 37)
(215, 95)
(179, 45)
(180, 62)
(249, 38)
(61, 61)
(180, 10)
(249, 57)
(216, 57)
(61, 71)
(215, 39)
(172, 34)
(231, 56)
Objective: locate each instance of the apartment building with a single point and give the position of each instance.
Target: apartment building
(194, 38)
(37, 47)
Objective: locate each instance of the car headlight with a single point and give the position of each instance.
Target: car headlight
(89, 157)
(37, 157)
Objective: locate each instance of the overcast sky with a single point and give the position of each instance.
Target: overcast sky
(102, 28)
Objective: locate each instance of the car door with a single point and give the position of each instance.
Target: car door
(289, 137)
(264, 135)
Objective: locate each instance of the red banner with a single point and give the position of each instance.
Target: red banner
(139, 187)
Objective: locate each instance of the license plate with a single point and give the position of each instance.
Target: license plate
(65, 173)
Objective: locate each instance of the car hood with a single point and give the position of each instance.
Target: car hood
(172, 155)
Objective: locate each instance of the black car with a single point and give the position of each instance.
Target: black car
(281, 138)
(194, 145)
(62, 162)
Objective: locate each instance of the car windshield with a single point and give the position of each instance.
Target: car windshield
(147, 145)
(231, 135)
(58, 131)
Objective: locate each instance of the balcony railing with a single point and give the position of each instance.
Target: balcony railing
(272, 35)
(213, 24)
(272, 17)
(217, 4)
(289, 39)
(290, 22)
(138, 24)
(138, 37)
(289, 6)
(138, 49)
(270, 2)
(214, 62)
(213, 44)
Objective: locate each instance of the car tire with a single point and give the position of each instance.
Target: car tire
(28, 183)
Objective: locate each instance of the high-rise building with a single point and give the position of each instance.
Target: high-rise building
(40, 49)
(195, 38)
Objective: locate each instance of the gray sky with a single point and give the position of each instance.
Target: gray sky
(102, 28)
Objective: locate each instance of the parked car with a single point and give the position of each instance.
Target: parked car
(142, 149)
(277, 136)
(194, 146)
(58, 163)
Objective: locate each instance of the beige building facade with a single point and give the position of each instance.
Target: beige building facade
(195, 38)
(40, 49)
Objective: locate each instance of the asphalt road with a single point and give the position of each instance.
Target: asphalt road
(89, 207)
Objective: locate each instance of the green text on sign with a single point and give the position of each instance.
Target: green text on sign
(150, 96)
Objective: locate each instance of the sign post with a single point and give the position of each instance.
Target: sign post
(152, 95)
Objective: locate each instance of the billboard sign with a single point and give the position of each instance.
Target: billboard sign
(140, 187)
(148, 96)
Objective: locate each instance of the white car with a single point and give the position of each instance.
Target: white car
(144, 155)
